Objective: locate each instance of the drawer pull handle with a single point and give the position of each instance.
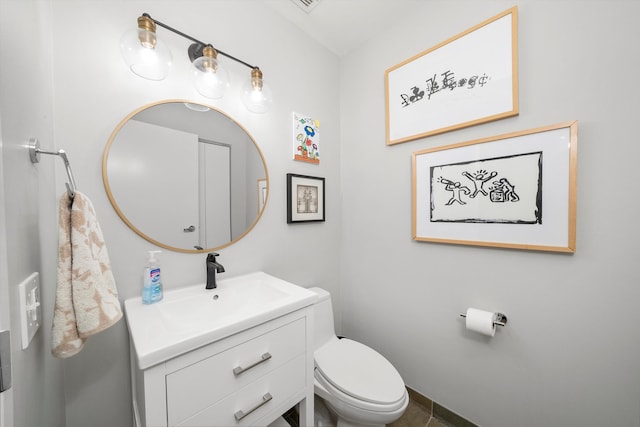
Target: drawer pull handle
(241, 414)
(239, 369)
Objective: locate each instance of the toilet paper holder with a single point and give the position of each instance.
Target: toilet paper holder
(500, 319)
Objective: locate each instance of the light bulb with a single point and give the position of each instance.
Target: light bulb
(210, 77)
(256, 94)
(143, 53)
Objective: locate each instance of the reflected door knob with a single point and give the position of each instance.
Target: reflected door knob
(189, 229)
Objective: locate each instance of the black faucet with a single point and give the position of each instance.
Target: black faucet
(213, 267)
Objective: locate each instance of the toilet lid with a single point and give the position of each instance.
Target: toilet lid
(359, 371)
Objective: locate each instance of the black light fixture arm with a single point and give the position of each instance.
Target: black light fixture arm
(200, 43)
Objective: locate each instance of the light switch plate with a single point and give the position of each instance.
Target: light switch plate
(30, 310)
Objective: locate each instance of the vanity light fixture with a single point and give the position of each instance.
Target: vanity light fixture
(145, 55)
(196, 107)
(256, 96)
(148, 57)
(211, 79)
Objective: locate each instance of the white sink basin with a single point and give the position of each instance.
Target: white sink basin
(190, 317)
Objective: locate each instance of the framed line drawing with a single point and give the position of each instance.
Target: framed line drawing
(469, 79)
(516, 190)
(305, 198)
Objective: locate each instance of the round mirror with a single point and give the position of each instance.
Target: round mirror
(185, 176)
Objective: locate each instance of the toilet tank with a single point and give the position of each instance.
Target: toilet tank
(323, 318)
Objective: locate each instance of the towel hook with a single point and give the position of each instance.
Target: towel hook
(34, 154)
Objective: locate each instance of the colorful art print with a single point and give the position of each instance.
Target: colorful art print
(306, 139)
(515, 190)
(305, 198)
(469, 79)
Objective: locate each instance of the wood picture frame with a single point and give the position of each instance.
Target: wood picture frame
(469, 79)
(262, 194)
(305, 198)
(516, 190)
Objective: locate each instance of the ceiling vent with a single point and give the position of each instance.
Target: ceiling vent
(306, 5)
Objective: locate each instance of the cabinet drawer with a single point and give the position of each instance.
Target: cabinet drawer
(195, 387)
(279, 386)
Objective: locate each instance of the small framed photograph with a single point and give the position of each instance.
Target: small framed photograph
(515, 190)
(305, 198)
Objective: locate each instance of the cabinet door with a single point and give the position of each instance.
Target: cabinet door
(202, 384)
(263, 399)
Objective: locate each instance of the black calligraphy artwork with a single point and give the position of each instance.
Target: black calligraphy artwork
(468, 79)
(505, 190)
(445, 82)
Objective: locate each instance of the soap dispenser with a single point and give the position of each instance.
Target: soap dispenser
(152, 281)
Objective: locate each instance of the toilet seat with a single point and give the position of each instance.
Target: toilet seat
(361, 373)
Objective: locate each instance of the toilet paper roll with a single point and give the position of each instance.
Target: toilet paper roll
(481, 321)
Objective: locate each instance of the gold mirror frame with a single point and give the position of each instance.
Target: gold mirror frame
(124, 218)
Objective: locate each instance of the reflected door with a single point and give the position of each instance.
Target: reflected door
(153, 177)
(216, 189)
(6, 397)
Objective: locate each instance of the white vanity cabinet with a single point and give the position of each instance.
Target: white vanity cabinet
(249, 378)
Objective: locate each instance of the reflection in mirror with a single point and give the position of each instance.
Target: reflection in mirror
(185, 176)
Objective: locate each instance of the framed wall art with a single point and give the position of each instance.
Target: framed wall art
(262, 194)
(468, 79)
(306, 139)
(305, 198)
(516, 190)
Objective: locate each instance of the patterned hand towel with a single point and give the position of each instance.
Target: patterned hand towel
(86, 295)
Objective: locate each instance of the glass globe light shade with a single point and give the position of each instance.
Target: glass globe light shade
(143, 53)
(211, 79)
(256, 94)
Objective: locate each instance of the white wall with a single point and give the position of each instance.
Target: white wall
(570, 355)
(552, 365)
(26, 98)
(94, 90)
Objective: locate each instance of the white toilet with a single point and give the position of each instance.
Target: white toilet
(355, 382)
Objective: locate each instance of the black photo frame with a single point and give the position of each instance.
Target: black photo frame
(305, 198)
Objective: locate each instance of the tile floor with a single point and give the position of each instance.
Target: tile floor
(417, 415)
(421, 412)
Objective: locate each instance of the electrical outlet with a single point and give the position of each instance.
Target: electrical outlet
(30, 310)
